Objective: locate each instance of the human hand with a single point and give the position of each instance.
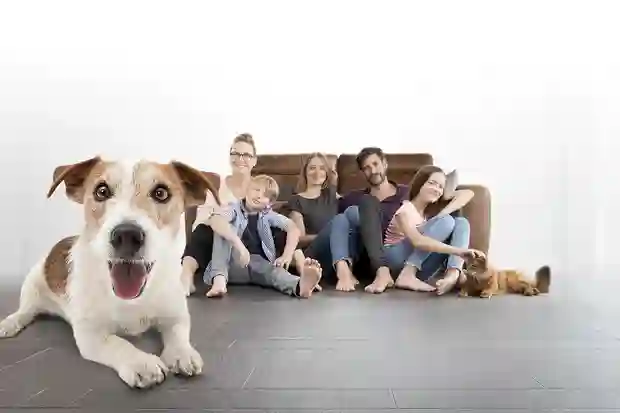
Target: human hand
(470, 253)
(283, 261)
(244, 256)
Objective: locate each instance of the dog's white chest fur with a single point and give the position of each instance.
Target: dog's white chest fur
(162, 299)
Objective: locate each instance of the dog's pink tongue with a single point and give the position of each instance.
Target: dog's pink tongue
(128, 279)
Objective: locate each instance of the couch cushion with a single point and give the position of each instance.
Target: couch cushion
(401, 168)
(285, 169)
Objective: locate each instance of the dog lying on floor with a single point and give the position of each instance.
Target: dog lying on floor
(120, 275)
(482, 280)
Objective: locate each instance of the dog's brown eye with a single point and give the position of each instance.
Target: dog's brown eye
(102, 192)
(160, 194)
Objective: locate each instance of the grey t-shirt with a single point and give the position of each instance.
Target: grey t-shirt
(316, 212)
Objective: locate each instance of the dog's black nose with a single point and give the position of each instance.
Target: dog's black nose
(127, 239)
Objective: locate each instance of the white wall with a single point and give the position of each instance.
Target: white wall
(510, 93)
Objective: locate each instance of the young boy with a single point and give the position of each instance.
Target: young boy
(245, 226)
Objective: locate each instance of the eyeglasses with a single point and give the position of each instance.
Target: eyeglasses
(242, 155)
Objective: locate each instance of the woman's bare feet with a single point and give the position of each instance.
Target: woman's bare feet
(346, 279)
(218, 289)
(448, 282)
(407, 280)
(189, 267)
(187, 279)
(310, 277)
(382, 281)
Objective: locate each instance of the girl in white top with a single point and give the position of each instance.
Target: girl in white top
(415, 235)
(197, 254)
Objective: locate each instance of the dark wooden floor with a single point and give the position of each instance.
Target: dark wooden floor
(268, 353)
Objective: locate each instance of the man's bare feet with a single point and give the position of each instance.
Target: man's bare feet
(407, 280)
(346, 279)
(218, 289)
(448, 282)
(310, 277)
(382, 281)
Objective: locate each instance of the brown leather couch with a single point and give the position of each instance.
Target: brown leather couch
(401, 168)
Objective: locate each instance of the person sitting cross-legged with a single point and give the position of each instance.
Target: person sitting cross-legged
(415, 237)
(244, 249)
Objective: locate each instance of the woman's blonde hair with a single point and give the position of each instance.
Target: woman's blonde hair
(245, 138)
(272, 189)
(330, 180)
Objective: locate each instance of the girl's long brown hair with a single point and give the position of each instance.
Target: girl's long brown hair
(418, 181)
(330, 181)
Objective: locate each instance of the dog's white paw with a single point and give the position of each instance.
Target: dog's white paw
(144, 371)
(10, 326)
(186, 361)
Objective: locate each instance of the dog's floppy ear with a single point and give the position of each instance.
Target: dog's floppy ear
(196, 184)
(73, 176)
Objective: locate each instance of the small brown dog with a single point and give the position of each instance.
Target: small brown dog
(482, 280)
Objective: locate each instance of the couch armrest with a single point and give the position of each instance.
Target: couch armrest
(478, 212)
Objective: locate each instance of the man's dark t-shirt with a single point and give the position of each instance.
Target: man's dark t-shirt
(389, 205)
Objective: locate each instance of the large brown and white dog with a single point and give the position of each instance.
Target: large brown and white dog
(120, 275)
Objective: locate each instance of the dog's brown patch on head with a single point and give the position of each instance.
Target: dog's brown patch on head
(196, 184)
(164, 191)
(158, 193)
(56, 267)
(73, 176)
(87, 183)
(103, 182)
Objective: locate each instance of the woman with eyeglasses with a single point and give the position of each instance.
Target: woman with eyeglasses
(197, 254)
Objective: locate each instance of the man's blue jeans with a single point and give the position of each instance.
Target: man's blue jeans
(346, 244)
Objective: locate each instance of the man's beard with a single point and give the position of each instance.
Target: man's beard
(376, 179)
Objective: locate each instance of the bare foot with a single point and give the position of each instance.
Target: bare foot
(310, 277)
(189, 287)
(187, 280)
(298, 260)
(188, 269)
(448, 282)
(407, 280)
(382, 281)
(218, 289)
(346, 280)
